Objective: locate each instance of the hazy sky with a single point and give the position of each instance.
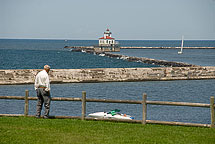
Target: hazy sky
(127, 19)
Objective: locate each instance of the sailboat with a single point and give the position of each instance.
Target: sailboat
(182, 43)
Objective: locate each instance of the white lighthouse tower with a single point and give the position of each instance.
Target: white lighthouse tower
(107, 40)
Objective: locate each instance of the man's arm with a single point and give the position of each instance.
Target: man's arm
(36, 85)
(47, 84)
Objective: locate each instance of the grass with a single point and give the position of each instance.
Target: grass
(32, 130)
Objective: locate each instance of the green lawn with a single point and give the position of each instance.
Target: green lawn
(42, 131)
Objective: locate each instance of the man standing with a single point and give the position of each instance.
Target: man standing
(42, 86)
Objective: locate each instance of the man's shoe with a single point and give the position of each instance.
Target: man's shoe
(46, 117)
(37, 116)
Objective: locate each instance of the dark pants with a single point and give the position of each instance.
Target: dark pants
(43, 97)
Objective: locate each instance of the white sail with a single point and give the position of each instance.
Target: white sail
(182, 44)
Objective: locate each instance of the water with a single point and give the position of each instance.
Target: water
(59, 59)
(197, 91)
(168, 43)
(33, 54)
(34, 44)
(202, 57)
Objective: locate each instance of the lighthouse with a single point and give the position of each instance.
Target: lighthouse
(106, 44)
(107, 40)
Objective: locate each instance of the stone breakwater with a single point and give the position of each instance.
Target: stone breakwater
(27, 76)
(151, 61)
(143, 60)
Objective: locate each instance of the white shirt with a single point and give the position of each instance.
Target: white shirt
(42, 80)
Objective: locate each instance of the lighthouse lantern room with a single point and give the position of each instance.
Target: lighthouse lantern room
(107, 40)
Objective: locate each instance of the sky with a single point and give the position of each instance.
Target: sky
(126, 19)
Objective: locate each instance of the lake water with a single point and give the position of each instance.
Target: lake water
(197, 91)
(202, 57)
(33, 54)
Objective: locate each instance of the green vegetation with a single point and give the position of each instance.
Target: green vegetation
(32, 130)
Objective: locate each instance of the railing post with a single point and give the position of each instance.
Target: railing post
(212, 112)
(144, 109)
(83, 105)
(26, 103)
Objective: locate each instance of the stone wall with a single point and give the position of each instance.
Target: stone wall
(26, 76)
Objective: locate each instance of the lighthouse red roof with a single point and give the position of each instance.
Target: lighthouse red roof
(107, 37)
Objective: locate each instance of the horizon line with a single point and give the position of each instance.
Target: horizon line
(92, 39)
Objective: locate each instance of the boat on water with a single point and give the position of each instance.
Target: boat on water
(113, 114)
(182, 43)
